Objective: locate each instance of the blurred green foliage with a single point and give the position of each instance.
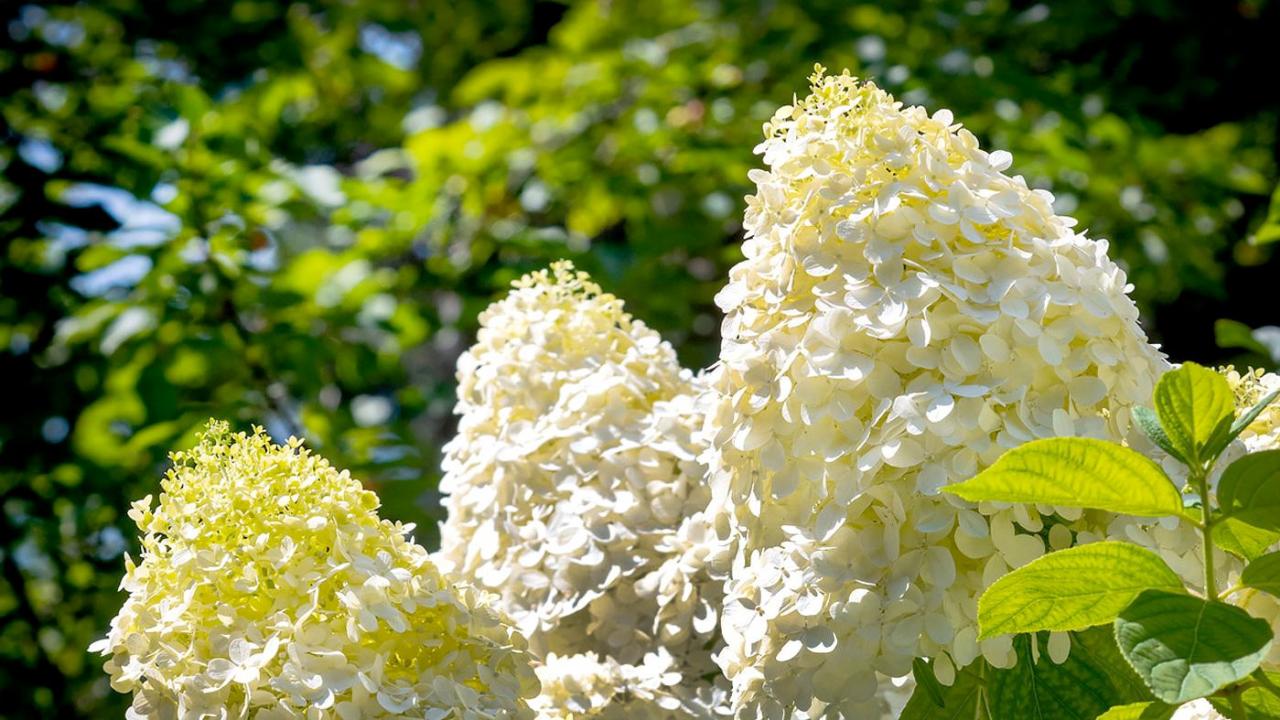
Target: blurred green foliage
(290, 214)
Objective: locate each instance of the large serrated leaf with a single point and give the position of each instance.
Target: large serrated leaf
(1072, 589)
(1076, 472)
(1075, 690)
(1194, 405)
(1185, 648)
(1097, 646)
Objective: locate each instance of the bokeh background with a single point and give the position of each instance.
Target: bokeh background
(290, 214)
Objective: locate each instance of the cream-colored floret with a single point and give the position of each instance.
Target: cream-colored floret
(269, 588)
(1250, 387)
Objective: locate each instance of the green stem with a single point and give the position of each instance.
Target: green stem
(980, 705)
(1237, 707)
(1200, 477)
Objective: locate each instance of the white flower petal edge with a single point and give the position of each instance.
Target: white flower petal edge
(575, 493)
(269, 588)
(906, 312)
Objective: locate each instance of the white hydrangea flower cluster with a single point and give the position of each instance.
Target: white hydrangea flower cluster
(269, 588)
(588, 686)
(574, 492)
(906, 312)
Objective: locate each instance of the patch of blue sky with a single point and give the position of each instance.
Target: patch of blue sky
(142, 223)
(400, 49)
(124, 273)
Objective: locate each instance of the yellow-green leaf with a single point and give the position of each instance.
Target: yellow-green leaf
(1194, 404)
(1072, 589)
(1139, 711)
(1076, 472)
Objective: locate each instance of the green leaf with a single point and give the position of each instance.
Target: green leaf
(1194, 405)
(1249, 490)
(1093, 678)
(1097, 646)
(1072, 589)
(1242, 539)
(1269, 230)
(1078, 689)
(1242, 422)
(1139, 711)
(1260, 703)
(922, 671)
(1185, 648)
(1076, 472)
(1233, 334)
(960, 701)
(1150, 424)
(1263, 574)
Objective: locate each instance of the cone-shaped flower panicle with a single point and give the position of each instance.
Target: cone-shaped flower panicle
(574, 492)
(269, 588)
(906, 312)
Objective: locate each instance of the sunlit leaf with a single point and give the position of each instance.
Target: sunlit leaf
(1076, 472)
(1072, 589)
(1194, 405)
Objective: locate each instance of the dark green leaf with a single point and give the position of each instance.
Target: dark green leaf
(1263, 574)
(1078, 689)
(960, 701)
(1249, 490)
(922, 671)
(1097, 646)
(1185, 648)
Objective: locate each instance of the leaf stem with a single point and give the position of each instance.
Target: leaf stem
(1199, 475)
(1237, 707)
